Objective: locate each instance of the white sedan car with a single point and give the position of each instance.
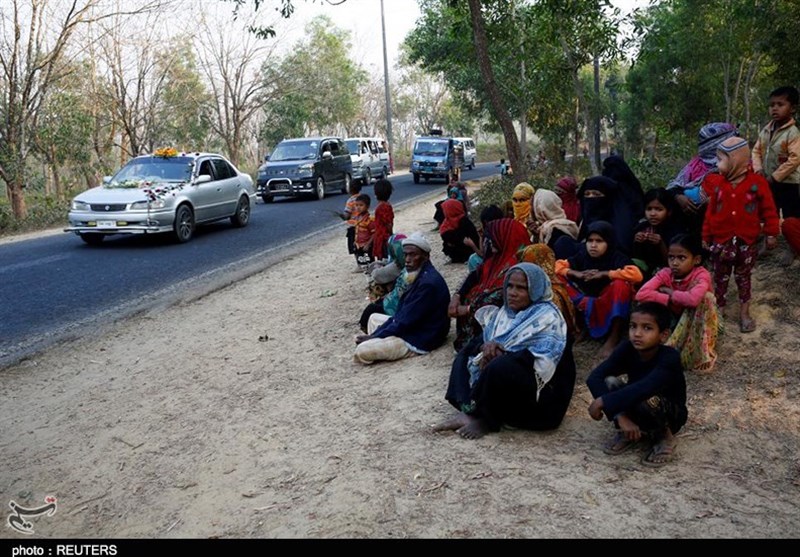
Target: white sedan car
(164, 192)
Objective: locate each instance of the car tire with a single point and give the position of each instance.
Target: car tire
(93, 239)
(416, 178)
(384, 173)
(346, 185)
(267, 198)
(183, 227)
(320, 188)
(367, 177)
(242, 215)
(472, 164)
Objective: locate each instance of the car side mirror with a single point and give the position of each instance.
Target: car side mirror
(327, 155)
(202, 179)
(266, 158)
(106, 179)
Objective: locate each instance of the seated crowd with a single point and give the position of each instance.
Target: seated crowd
(574, 264)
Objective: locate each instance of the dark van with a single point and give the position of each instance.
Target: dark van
(305, 166)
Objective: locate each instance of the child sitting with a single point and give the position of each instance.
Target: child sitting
(739, 200)
(600, 282)
(685, 287)
(384, 218)
(652, 402)
(652, 234)
(365, 232)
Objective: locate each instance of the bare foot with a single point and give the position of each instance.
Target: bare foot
(456, 422)
(475, 429)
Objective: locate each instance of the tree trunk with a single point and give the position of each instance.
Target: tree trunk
(581, 100)
(17, 196)
(487, 74)
(596, 115)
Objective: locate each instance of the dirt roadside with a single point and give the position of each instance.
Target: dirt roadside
(241, 414)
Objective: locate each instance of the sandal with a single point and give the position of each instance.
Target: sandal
(618, 444)
(660, 454)
(747, 325)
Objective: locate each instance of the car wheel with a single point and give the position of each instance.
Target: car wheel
(267, 198)
(93, 239)
(384, 173)
(183, 227)
(472, 164)
(346, 185)
(416, 178)
(242, 215)
(320, 190)
(367, 177)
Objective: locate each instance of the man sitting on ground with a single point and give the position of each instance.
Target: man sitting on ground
(421, 322)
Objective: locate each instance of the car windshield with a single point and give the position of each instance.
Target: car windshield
(353, 146)
(295, 151)
(431, 148)
(156, 169)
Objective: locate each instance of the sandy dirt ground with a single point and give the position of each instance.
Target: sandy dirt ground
(242, 414)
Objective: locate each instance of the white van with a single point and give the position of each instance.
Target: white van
(470, 153)
(370, 158)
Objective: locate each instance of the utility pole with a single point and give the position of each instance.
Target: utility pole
(386, 85)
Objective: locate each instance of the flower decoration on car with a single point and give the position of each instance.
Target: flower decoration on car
(166, 152)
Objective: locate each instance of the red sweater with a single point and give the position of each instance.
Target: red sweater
(738, 210)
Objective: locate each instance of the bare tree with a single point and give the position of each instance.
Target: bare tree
(36, 36)
(231, 60)
(130, 53)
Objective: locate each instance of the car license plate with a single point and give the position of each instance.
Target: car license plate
(106, 224)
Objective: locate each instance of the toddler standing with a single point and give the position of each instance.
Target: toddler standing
(739, 201)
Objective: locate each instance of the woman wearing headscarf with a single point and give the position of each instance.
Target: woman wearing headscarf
(600, 280)
(483, 286)
(567, 189)
(455, 228)
(549, 220)
(543, 257)
(520, 372)
(598, 196)
(629, 203)
(521, 202)
(488, 214)
(686, 189)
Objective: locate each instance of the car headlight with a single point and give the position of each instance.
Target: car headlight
(305, 167)
(144, 205)
(262, 173)
(415, 164)
(80, 206)
(439, 165)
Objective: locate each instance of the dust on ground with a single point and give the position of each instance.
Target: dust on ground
(242, 414)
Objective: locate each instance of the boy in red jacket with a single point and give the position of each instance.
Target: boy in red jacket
(739, 201)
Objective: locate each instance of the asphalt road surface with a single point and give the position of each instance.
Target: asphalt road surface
(56, 287)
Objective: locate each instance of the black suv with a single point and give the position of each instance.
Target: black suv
(305, 166)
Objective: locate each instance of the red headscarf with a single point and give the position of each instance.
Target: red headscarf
(567, 188)
(453, 211)
(507, 236)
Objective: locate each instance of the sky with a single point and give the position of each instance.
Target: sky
(363, 19)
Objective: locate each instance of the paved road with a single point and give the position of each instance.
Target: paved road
(55, 287)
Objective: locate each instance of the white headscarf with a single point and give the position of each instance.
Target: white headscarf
(549, 213)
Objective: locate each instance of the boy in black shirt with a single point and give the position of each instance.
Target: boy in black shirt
(652, 402)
